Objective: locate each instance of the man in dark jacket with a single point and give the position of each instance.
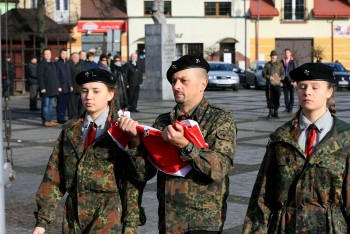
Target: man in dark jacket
(289, 64)
(32, 79)
(65, 86)
(9, 74)
(75, 106)
(133, 80)
(48, 84)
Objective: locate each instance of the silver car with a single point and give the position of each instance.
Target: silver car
(222, 75)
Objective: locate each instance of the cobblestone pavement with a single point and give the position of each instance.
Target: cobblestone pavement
(32, 145)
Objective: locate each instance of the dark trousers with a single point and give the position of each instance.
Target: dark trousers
(133, 97)
(33, 96)
(288, 91)
(11, 87)
(75, 106)
(273, 94)
(62, 104)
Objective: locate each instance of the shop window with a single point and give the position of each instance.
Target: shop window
(217, 8)
(294, 9)
(148, 8)
(195, 49)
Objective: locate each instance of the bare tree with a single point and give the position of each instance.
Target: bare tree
(212, 51)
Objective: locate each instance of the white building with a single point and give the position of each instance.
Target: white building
(202, 27)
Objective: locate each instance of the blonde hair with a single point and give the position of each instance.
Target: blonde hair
(295, 121)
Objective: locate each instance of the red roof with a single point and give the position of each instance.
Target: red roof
(331, 9)
(262, 9)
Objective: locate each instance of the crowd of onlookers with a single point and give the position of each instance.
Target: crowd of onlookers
(54, 80)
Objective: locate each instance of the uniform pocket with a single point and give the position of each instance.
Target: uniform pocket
(335, 220)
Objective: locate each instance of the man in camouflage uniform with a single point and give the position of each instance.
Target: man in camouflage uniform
(297, 192)
(103, 184)
(195, 203)
(273, 72)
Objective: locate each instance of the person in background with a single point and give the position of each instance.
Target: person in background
(32, 79)
(195, 203)
(82, 56)
(49, 87)
(304, 179)
(65, 86)
(273, 72)
(9, 72)
(103, 63)
(90, 61)
(103, 185)
(121, 99)
(133, 81)
(289, 64)
(75, 106)
(109, 59)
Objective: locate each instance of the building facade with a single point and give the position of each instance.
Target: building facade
(211, 28)
(237, 31)
(307, 27)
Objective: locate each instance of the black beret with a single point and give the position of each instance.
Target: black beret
(95, 75)
(313, 71)
(186, 62)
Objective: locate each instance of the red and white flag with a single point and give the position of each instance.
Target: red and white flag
(164, 156)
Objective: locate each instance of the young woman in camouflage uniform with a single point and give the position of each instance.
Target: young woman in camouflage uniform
(302, 191)
(103, 185)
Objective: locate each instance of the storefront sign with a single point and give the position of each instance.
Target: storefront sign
(100, 26)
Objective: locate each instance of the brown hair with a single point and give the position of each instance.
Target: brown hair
(295, 121)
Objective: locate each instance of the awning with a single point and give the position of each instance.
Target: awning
(331, 9)
(262, 9)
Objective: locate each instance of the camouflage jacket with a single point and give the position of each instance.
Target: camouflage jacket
(293, 194)
(198, 201)
(104, 187)
(273, 69)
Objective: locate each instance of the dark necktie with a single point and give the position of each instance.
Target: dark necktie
(311, 136)
(183, 117)
(90, 137)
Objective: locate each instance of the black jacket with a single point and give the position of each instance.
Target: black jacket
(47, 77)
(64, 75)
(133, 74)
(75, 70)
(291, 66)
(31, 73)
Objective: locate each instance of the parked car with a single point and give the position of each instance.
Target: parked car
(342, 75)
(254, 76)
(240, 72)
(222, 75)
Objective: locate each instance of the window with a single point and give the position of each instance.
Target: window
(59, 3)
(195, 49)
(217, 8)
(33, 3)
(294, 9)
(148, 8)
